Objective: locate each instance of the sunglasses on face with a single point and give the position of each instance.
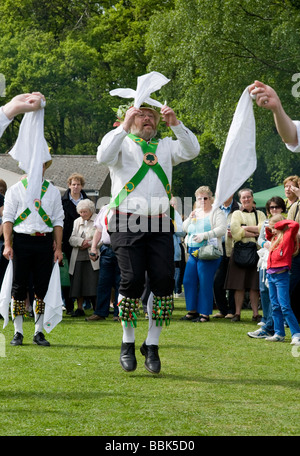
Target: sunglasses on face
(274, 207)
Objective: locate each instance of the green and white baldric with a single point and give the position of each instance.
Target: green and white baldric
(150, 161)
(37, 203)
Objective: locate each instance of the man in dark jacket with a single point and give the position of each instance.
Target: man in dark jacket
(70, 199)
(225, 305)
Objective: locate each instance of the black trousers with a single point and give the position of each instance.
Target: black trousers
(224, 305)
(33, 256)
(144, 250)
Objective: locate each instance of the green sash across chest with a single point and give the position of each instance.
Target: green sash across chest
(150, 161)
(37, 205)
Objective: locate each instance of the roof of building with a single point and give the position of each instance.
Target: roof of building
(62, 167)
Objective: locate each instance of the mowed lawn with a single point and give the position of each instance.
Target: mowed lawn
(215, 381)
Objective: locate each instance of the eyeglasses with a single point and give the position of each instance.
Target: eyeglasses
(275, 207)
(200, 198)
(142, 116)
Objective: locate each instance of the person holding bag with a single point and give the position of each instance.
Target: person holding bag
(205, 229)
(245, 227)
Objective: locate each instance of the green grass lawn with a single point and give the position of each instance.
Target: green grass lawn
(215, 381)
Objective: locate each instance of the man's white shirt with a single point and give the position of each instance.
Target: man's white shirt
(124, 158)
(15, 204)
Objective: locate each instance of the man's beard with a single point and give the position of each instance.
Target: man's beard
(143, 134)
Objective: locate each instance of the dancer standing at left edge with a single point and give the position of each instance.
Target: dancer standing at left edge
(32, 224)
(139, 219)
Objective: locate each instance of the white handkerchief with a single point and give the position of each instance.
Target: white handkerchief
(146, 84)
(31, 150)
(53, 300)
(5, 294)
(238, 161)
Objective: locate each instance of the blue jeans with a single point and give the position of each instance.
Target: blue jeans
(280, 301)
(264, 295)
(109, 277)
(198, 282)
(177, 288)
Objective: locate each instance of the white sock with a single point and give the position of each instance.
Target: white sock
(39, 321)
(153, 333)
(18, 324)
(153, 330)
(128, 332)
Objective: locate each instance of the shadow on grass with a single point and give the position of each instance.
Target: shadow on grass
(294, 384)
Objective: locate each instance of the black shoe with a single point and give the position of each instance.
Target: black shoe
(78, 313)
(152, 361)
(39, 339)
(127, 357)
(17, 339)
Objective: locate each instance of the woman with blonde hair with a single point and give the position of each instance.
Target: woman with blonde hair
(204, 227)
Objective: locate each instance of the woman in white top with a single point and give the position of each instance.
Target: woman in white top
(203, 226)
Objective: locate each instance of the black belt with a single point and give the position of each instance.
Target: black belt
(37, 233)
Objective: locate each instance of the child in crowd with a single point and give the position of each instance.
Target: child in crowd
(282, 234)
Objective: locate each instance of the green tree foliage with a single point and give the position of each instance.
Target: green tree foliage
(213, 49)
(76, 51)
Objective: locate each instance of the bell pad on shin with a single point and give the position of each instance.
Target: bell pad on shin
(39, 306)
(129, 310)
(162, 309)
(18, 308)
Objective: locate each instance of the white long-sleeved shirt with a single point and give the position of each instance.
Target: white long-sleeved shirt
(101, 226)
(4, 122)
(124, 158)
(297, 147)
(15, 204)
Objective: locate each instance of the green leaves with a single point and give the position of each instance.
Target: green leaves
(212, 50)
(76, 51)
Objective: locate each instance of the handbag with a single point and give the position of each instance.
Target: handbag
(208, 252)
(64, 272)
(245, 254)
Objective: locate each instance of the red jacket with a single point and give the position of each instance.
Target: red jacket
(282, 255)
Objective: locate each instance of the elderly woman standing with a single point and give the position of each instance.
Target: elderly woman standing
(203, 226)
(245, 226)
(83, 271)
